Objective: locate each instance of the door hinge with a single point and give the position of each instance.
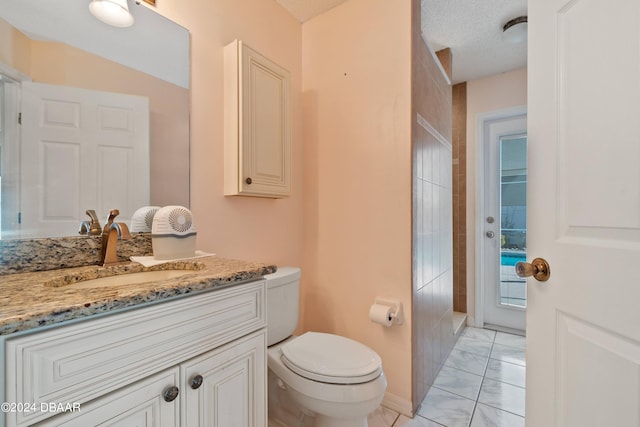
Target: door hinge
(19, 118)
(19, 217)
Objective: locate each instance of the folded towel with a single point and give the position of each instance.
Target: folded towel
(149, 261)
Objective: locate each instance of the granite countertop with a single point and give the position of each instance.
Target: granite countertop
(31, 300)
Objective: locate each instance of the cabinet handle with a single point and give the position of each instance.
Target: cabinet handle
(248, 181)
(170, 393)
(196, 382)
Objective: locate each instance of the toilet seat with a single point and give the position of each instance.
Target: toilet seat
(331, 359)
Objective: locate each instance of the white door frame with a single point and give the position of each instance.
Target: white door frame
(483, 121)
(11, 149)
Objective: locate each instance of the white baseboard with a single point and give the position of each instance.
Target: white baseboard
(398, 404)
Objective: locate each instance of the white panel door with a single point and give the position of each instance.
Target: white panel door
(81, 149)
(583, 325)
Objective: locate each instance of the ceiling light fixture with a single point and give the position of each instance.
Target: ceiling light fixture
(515, 31)
(113, 12)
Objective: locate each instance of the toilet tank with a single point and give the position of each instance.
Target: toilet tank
(283, 292)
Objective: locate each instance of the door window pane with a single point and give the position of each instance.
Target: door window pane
(513, 218)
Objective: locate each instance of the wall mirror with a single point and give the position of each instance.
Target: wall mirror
(59, 43)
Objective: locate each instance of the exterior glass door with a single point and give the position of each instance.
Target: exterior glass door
(503, 221)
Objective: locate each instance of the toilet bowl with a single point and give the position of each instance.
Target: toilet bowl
(333, 379)
(345, 404)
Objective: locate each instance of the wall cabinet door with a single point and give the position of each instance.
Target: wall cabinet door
(257, 124)
(139, 404)
(226, 386)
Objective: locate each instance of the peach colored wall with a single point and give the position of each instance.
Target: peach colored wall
(62, 64)
(242, 227)
(492, 93)
(14, 48)
(357, 176)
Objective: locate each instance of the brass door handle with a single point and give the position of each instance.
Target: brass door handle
(539, 269)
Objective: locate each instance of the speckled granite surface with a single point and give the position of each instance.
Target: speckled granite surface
(30, 300)
(21, 256)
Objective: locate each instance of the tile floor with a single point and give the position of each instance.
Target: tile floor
(481, 385)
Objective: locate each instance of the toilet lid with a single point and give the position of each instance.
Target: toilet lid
(331, 359)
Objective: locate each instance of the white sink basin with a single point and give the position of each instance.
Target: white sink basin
(129, 279)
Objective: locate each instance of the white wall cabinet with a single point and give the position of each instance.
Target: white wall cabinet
(195, 361)
(257, 124)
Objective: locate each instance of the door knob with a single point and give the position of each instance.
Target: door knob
(539, 269)
(490, 234)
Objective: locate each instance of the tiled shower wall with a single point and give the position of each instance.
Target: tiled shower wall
(431, 130)
(459, 144)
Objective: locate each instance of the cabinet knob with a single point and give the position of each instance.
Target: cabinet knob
(248, 180)
(196, 382)
(170, 393)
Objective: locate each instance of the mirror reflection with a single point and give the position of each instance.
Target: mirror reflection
(104, 116)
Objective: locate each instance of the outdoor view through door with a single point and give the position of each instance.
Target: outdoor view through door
(513, 218)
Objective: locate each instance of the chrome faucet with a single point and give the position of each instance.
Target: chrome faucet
(111, 232)
(91, 227)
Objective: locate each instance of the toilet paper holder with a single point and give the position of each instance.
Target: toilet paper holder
(397, 314)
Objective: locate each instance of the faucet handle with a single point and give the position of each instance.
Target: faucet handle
(93, 216)
(113, 213)
(91, 227)
(95, 228)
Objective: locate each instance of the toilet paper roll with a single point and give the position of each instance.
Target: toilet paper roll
(381, 314)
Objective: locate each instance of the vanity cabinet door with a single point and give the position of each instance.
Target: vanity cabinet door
(140, 404)
(257, 128)
(227, 386)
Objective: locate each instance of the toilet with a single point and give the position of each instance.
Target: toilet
(316, 379)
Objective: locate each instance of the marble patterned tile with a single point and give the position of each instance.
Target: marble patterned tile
(382, 417)
(509, 354)
(503, 396)
(479, 334)
(418, 421)
(482, 348)
(506, 372)
(458, 382)
(466, 361)
(486, 416)
(447, 408)
(511, 340)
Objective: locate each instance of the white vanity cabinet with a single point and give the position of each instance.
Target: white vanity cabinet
(194, 361)
(257, 124)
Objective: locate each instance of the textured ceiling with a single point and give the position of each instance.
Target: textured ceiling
(471, 28)
(473, 31)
